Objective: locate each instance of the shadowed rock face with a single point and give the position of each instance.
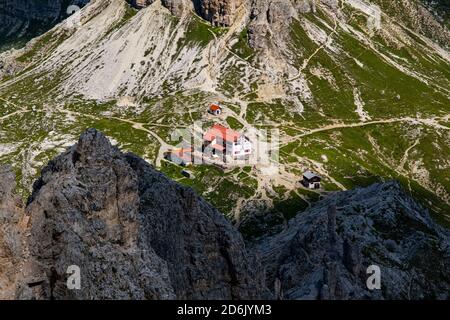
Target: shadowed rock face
(21, 17)
(10, 234)
(133, 233)
(205, 254)
(218, 12)
(325, 251)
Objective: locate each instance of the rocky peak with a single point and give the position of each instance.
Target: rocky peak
(11, 213)
(134, 233)
(325, 252)
(176, 7)
(139, 4)
(218, 12)
(28, 18)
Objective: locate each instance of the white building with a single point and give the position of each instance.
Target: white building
(243, 147)
(311, 180)
(223, 142)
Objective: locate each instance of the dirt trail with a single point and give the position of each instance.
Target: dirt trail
(307, 60)
(19, 110)
(135, 125)
(13, 114)
(406, 155)
(425, 121)
(216, 49)
(140, 126)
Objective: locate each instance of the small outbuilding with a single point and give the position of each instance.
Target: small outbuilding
(215, 109)
(182, 157)
(311, 180)
(187, 174)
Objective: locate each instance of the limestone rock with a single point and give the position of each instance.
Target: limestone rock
(134, 233)
(20, 17)
(11, 237)
(139, 4)
(176, 7)
(218, 12)
(324, 253)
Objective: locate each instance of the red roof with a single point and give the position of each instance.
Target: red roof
(225, 133)
(184, 153)
(181, 151)
(214, 107)
(218, 147)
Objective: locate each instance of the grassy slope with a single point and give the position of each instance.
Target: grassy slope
(356, 156)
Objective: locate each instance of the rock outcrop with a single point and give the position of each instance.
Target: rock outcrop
(18, 18)
(218, 12)
(326, 251)
(133, 233)
(139, 4)
(206, 256)
(269, 20)
(176, 7)
(11, 235)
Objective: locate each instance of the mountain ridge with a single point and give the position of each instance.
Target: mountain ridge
(134, 233)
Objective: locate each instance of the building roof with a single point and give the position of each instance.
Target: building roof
(225, 133)
(181, 150)
(215, 107)
(218, 147)
(184, 154)
(310, 175)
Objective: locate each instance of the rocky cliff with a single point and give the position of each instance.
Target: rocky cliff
(133, 233)
(11, 234)
(218, 12)
(28, 18)
(325, 252)
(33, 17)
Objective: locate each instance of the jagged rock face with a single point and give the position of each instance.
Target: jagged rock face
(133, 233)
(270, 19)
(218, 12)
(269, 25)
(325, 252)
(84, 212)
(18, 16)
(11, 213)
(175, 6)
(139, 4)
(204, 253)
